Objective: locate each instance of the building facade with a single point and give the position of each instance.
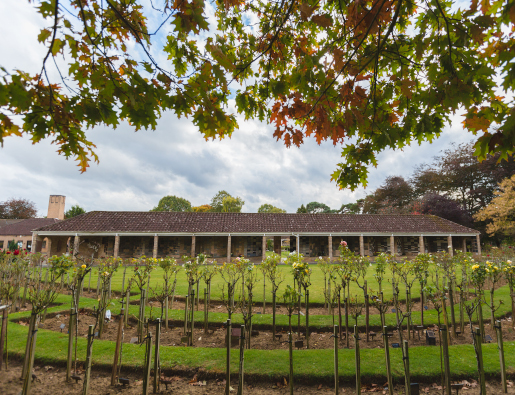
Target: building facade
(223, 236)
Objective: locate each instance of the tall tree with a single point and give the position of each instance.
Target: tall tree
(447, 208)
(302, 209)
(74, 211)
(368, 75)
(232, 204)
(395, 191)
(268, 208)
(317, 208)
(500, 213)
(173, 203)
(18, 209)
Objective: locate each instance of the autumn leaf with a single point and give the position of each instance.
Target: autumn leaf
(322, 20)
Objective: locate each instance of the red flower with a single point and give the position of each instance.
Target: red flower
(16, 252)
(8, 252)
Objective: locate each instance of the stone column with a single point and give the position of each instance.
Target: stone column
(297, 244)
(154, 251)
(464, 246)
(193, 246)
(263, 249)
(76, 244)
(116, 249)
(421, 247)
(449, 245)
(393, 250)
(478, 242)
(229, 248)
(49, 247)
(361, 246)
(330, 242)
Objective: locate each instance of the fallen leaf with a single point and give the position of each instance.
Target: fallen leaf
(320, 386)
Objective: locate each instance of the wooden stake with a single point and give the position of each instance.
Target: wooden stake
(347, 320)
(387, 357)
(157, 369)
(117, 348)
(451, 301)
(123, 279)
(192, 324)
(273, 315)
(367, 310)
(32, 348)
(358, 360)
(205, 310)
(127, 303)
(445, 346)
(291, 362)
(89, 281)
(500, 346)
(89, 352)
(32, 323)
(480, 365)
(264, 293)
(336, 374)
(71, 330)
(298, 320)
(166, 314)
(228, 360)
(148, 358)
(186, 315)
(407, 376)
(307, 319)
(240, 371)
(3, 335)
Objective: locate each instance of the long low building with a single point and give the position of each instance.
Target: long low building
(226, 235)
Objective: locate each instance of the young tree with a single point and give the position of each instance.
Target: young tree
(74, 211)
(17, 208)
(173, 203)
(302, 209)
(232, 204)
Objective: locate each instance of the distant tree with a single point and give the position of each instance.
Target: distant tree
(458, 174)
(268, 208)
(351, 208)
(447, 208)
(395, 191)
(205, 208)
(302, 210)
(74, 211)
(500, 213)
(318, 208)
(18, 209)
(173, 203)
(232, 204)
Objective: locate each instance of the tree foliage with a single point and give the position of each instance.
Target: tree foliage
(18, 209)
(205, 208)
(368, 75)
(268, 208)
(173, 203)
(302, 209)
(445, 207)
(74, 211)
(223, 202)
(500, 213)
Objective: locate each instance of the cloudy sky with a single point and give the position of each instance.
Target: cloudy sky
(136, 169)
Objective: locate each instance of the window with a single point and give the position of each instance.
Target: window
(43, 245)
(20, 244)
(1, 244)
(29, 245)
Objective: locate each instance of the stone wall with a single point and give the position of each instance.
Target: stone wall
(173, 246)
(136, 246)
(214, 246)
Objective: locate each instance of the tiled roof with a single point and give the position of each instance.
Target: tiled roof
(179, 222)
(5, 222)
(26, 226)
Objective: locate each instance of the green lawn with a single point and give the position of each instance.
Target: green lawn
(316, 290)
(309, 365)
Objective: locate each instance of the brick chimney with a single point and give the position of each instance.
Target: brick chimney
(56, 206)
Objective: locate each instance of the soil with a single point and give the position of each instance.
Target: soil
(50, 380)
(215, 338)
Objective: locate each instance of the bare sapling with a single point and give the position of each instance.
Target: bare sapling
(246, 300)
(170, 269)
(141, 278)
(231, 274)
(276, 277)
(290, 297)
(324, 264)
(107, 267)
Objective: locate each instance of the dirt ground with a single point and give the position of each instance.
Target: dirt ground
(50, 380)
(215, 338)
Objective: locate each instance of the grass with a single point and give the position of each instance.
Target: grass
(316, 290)
(309, 365)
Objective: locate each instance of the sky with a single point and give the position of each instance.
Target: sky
(136, 169)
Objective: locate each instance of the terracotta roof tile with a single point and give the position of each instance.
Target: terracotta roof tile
(26, 226)
(179, 222)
